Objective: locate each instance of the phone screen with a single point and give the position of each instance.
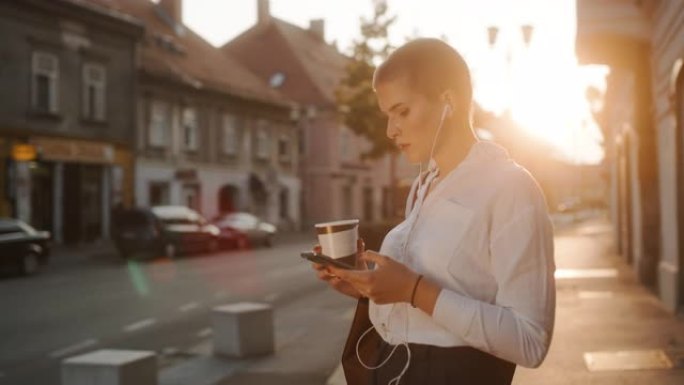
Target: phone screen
(325, 260)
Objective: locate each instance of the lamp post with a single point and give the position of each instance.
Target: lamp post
(493, 35)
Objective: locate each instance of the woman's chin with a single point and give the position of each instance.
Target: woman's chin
(411, 158)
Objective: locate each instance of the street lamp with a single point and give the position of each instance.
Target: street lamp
(526, 29)
(493, 35)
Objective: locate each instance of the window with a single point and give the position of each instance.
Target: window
(45, 82)
(231, 137)
(262, 141)
(347, 201)
(284, 204)
(159, 124)
(345, 145)
(368, 204)
(284, 148)
(190, 130)
(159, 193)
(300, 141)
(386, 203)
(277, 79)
(94, 91)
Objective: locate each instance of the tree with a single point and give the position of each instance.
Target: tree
(355, 96)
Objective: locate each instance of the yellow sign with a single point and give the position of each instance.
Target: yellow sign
(24, 152)
(65, 150)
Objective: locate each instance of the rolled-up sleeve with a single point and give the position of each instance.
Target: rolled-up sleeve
(518, 326)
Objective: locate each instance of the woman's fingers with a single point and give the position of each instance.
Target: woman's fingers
(372, 256)
(360, 248)
(317, 266)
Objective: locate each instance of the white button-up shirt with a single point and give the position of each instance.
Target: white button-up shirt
(482, 234)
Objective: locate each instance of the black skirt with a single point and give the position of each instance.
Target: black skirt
(429, 364)
(437, 365)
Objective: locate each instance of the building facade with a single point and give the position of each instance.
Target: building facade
(210, 134)
(643, 120)
(336, 182)
(67, 120)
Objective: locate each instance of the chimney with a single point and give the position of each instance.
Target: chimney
(173, 9)
(263, 11)
(317, 27)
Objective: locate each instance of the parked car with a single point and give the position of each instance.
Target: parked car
(569, 205)
(23, 249)
(243, 230)
(163, 231)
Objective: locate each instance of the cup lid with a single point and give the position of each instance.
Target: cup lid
(338, 223)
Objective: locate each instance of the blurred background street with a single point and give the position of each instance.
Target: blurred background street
(161, 158)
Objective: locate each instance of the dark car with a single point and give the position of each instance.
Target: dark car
(23, 249)
(242, 230)
(163, 231)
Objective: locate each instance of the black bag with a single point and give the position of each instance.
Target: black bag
(369, 348)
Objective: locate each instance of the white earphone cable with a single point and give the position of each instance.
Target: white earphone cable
(432, 167)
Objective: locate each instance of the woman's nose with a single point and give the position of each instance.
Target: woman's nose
(392, 129)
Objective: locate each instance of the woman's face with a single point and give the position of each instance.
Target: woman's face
(412, 118)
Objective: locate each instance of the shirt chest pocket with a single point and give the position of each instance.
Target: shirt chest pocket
(442, 232)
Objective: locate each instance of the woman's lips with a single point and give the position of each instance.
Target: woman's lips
(403, 147)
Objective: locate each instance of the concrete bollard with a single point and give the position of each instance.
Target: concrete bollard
(243, 329)
(111, 367)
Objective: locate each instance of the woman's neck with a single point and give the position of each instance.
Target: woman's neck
(454, 151)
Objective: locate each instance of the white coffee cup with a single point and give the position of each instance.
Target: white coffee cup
(338, 239)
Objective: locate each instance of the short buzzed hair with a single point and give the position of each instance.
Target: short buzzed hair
(432, 67)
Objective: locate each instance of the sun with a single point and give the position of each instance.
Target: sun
(549, 102)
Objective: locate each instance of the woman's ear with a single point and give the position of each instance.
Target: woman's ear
(448, 100)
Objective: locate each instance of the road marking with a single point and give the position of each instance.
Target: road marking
(73, 348)
(188, 306)
(595, 294)
(205, 333)
(585, 273)
(140, 325)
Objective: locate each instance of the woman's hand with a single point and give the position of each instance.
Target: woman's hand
(334, 281)
(389, 282)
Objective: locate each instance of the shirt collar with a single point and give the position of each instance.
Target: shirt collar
(480, 151)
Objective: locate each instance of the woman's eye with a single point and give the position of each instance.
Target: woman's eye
(404, 113)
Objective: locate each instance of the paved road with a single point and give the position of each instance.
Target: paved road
(83, 303)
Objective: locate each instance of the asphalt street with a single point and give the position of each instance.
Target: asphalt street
(85, 302)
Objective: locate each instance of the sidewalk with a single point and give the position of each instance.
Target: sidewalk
(605, 314)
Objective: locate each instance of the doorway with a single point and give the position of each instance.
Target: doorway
(82, 203)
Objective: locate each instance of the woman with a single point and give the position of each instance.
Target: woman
(466, 281)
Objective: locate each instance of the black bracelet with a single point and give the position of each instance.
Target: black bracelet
(415, 288)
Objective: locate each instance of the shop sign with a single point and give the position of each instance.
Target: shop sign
(74, 151)
(24, 152)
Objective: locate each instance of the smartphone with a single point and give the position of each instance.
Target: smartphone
(325, 260)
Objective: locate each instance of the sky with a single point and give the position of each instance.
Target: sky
(541, 82)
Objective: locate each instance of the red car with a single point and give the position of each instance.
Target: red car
(244, 230)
